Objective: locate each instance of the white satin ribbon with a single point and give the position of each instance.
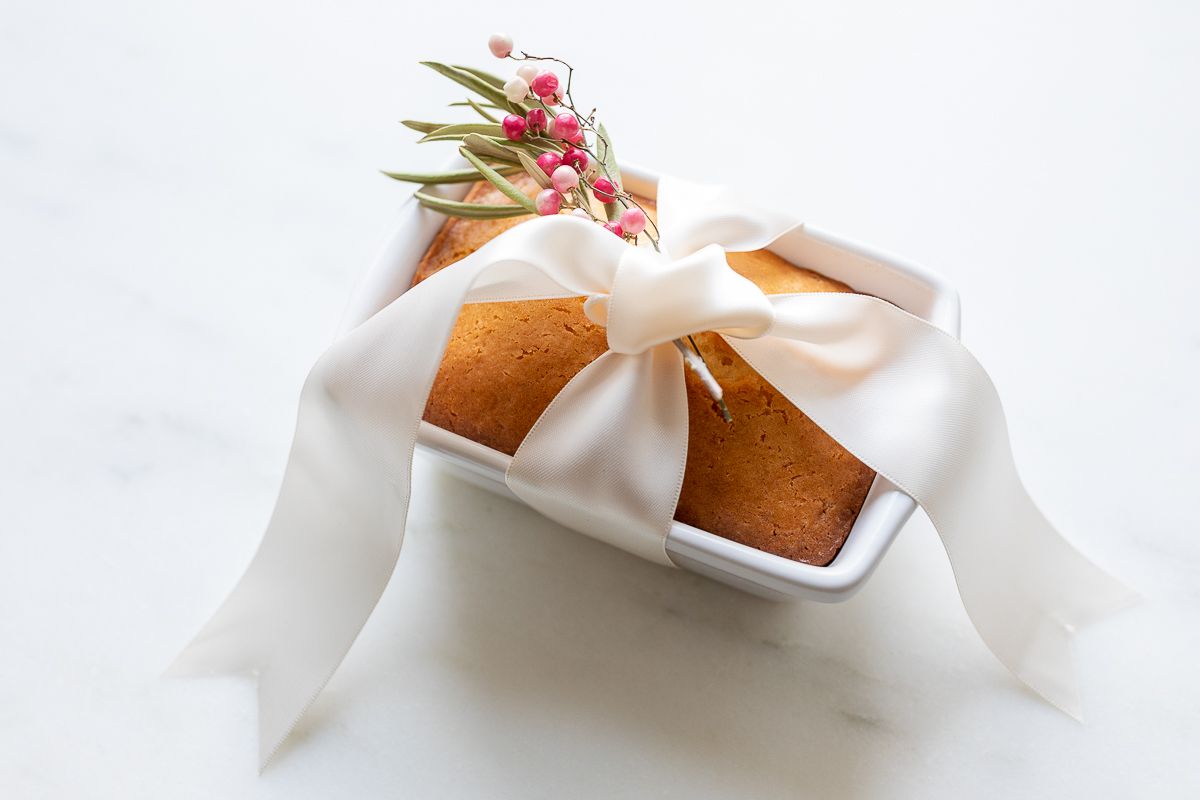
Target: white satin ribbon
(607, 456)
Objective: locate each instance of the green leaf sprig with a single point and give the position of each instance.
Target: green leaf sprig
(502, 157)
(494, 156)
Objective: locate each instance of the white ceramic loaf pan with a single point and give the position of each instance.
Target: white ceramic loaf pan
(886, 509)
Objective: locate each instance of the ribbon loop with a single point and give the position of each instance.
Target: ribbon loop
(606, 457)
(655, 300)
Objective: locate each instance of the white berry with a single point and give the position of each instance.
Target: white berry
(500, 44)
(516, 90)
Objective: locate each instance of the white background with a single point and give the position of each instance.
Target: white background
(188, 193)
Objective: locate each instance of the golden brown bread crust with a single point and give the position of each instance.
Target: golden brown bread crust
(771, 479)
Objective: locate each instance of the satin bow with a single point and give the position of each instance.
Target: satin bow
(607, 456)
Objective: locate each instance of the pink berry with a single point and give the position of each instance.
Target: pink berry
(633, 221)
(604, 190)
(565, 179)
(544, 84)
(615, 227)
(548, 202)
(549, 162)
(574, 157)
(566, 126)
(514, 127)
(501, 44)
(536, 120)
(554, 99)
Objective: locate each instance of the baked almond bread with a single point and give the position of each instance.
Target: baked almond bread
(770, 479)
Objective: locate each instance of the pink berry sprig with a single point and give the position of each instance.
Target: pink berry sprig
(543, 134)
(544, 88)
(541, 130)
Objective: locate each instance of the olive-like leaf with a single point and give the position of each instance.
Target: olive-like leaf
(466, 103)
(526, 143)
(496, 147)
(479, 110)
(608, 158)
(456, 208)
(535, 172)
(462, 129)
(454, 176)
(538, 144)
(483, 75)
(423, 127)
(498, 144)
(483, 146)
(499, 181)
(476, 84)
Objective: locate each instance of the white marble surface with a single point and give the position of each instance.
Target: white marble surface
(188, 194)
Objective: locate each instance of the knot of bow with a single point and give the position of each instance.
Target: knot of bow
(655, 299)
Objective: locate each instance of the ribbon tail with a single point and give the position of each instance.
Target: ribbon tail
(607, 455)
(912, 403)
(335, 534)
(333, 539)
(1025, 587)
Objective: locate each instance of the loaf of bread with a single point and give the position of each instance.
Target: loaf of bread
(770, 479)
